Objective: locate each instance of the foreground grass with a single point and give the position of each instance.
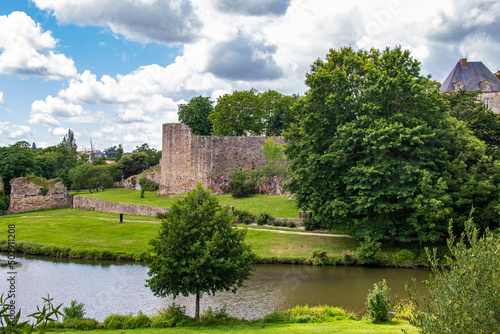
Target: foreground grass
(341, 326)
(276, 206)
(90, 230)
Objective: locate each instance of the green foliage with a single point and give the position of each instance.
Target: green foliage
(243, 216)
(368, 250)
(311, 224)
(83, 324)
(196, 115)
(133, 163)
(377, 302)
(319, 257)
(237, 114)
(276, 161)
(197, 250)
(243, 183)
(264, 219)
(374, 150)
(10, 322)
(405, 257)
(173, 316)
(90, 177)
(128, 321)
(18, 160)
(464, 296)
(45, 316)
(147, 184)
(306, 314)
(277, 109)
(153, 156)
(119, 153)
(75, 310)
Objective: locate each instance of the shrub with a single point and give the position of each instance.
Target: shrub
(243, 183)
(291, 224)
(173, 315)
(405, 257)
(245, 217)
(319, 257)
(311, 224)
(464, 295)
(305, 314)
(74, 311)
(128, 321)
(216, 316)
(264, 219)
(377, 302)
(348, 257)
(81, 324)
(368, 250)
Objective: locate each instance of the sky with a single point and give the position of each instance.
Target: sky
(114, 71)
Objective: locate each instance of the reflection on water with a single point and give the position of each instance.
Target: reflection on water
(107, 287)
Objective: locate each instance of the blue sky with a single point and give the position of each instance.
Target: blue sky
(114, 71)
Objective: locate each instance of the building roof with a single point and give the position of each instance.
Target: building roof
(471, 74)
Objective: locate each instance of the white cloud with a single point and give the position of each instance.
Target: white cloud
(60, 132)
(14, 131)
(25, 50)
(169, 21)
(1, 97)
(44, 112)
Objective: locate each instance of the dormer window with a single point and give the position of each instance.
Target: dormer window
(458, 85)
(486, 85)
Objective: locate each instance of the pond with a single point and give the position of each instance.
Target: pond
(117, 287)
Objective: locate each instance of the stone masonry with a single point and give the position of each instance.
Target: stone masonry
(26, 195)
(187, 159)
(96, 204)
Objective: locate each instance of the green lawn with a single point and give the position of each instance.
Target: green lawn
(81, 229)
(342, 326)
(276, 206)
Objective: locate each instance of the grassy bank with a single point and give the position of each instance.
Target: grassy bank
(276, 206)
(89, 232)
(341, 326)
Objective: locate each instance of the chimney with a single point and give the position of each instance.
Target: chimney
(463, 61)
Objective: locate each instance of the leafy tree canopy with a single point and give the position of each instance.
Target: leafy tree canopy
(133, 163)
(195, 115)
(375, 151)
(154, 156)
(197, 250)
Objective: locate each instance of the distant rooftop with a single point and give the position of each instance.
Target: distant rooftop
(470, 76)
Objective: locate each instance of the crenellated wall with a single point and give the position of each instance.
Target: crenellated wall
(187, 159)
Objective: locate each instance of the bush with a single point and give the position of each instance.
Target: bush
(368, 250)
(243, 183)
(264, 219)
(120, 321)
(74, 311)
(405, 257)
(377, 302)
(291, 224)
(319, 257)
(81, 324)
(311, 224)
(215, 317)
(245, 217)
(464, 295)
(305, 314)
(172, 316)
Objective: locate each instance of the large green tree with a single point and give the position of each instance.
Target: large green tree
(277, 110)
(195, 115)
(197, 250)
(374, 149)
(18, 160)
(154, 156)
(133, 163)
(238, 114)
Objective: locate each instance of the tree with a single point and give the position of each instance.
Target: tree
(195, 115)
(484, 123)
(90, 177)
(18, 160)
(237, 114)
(374, 149)
(119, 153)
(463, 295)
(154, 156)
(133, 163)
(110, 152)
(69, 141)
(277, 109)
(197, 250)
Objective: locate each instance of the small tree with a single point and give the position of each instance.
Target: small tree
(197, 250)
(464, 296)
(377, 302)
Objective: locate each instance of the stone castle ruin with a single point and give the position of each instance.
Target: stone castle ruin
(188, 159)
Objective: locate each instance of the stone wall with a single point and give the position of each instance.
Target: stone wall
(187, 159)
(132, 183)
(96, 204)
(26, 195)
(493, 100)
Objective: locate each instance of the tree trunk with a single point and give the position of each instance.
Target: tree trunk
(197, 310)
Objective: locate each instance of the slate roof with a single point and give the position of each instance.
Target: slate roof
(472, 75)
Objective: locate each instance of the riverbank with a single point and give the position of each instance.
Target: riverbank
(90, 234)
